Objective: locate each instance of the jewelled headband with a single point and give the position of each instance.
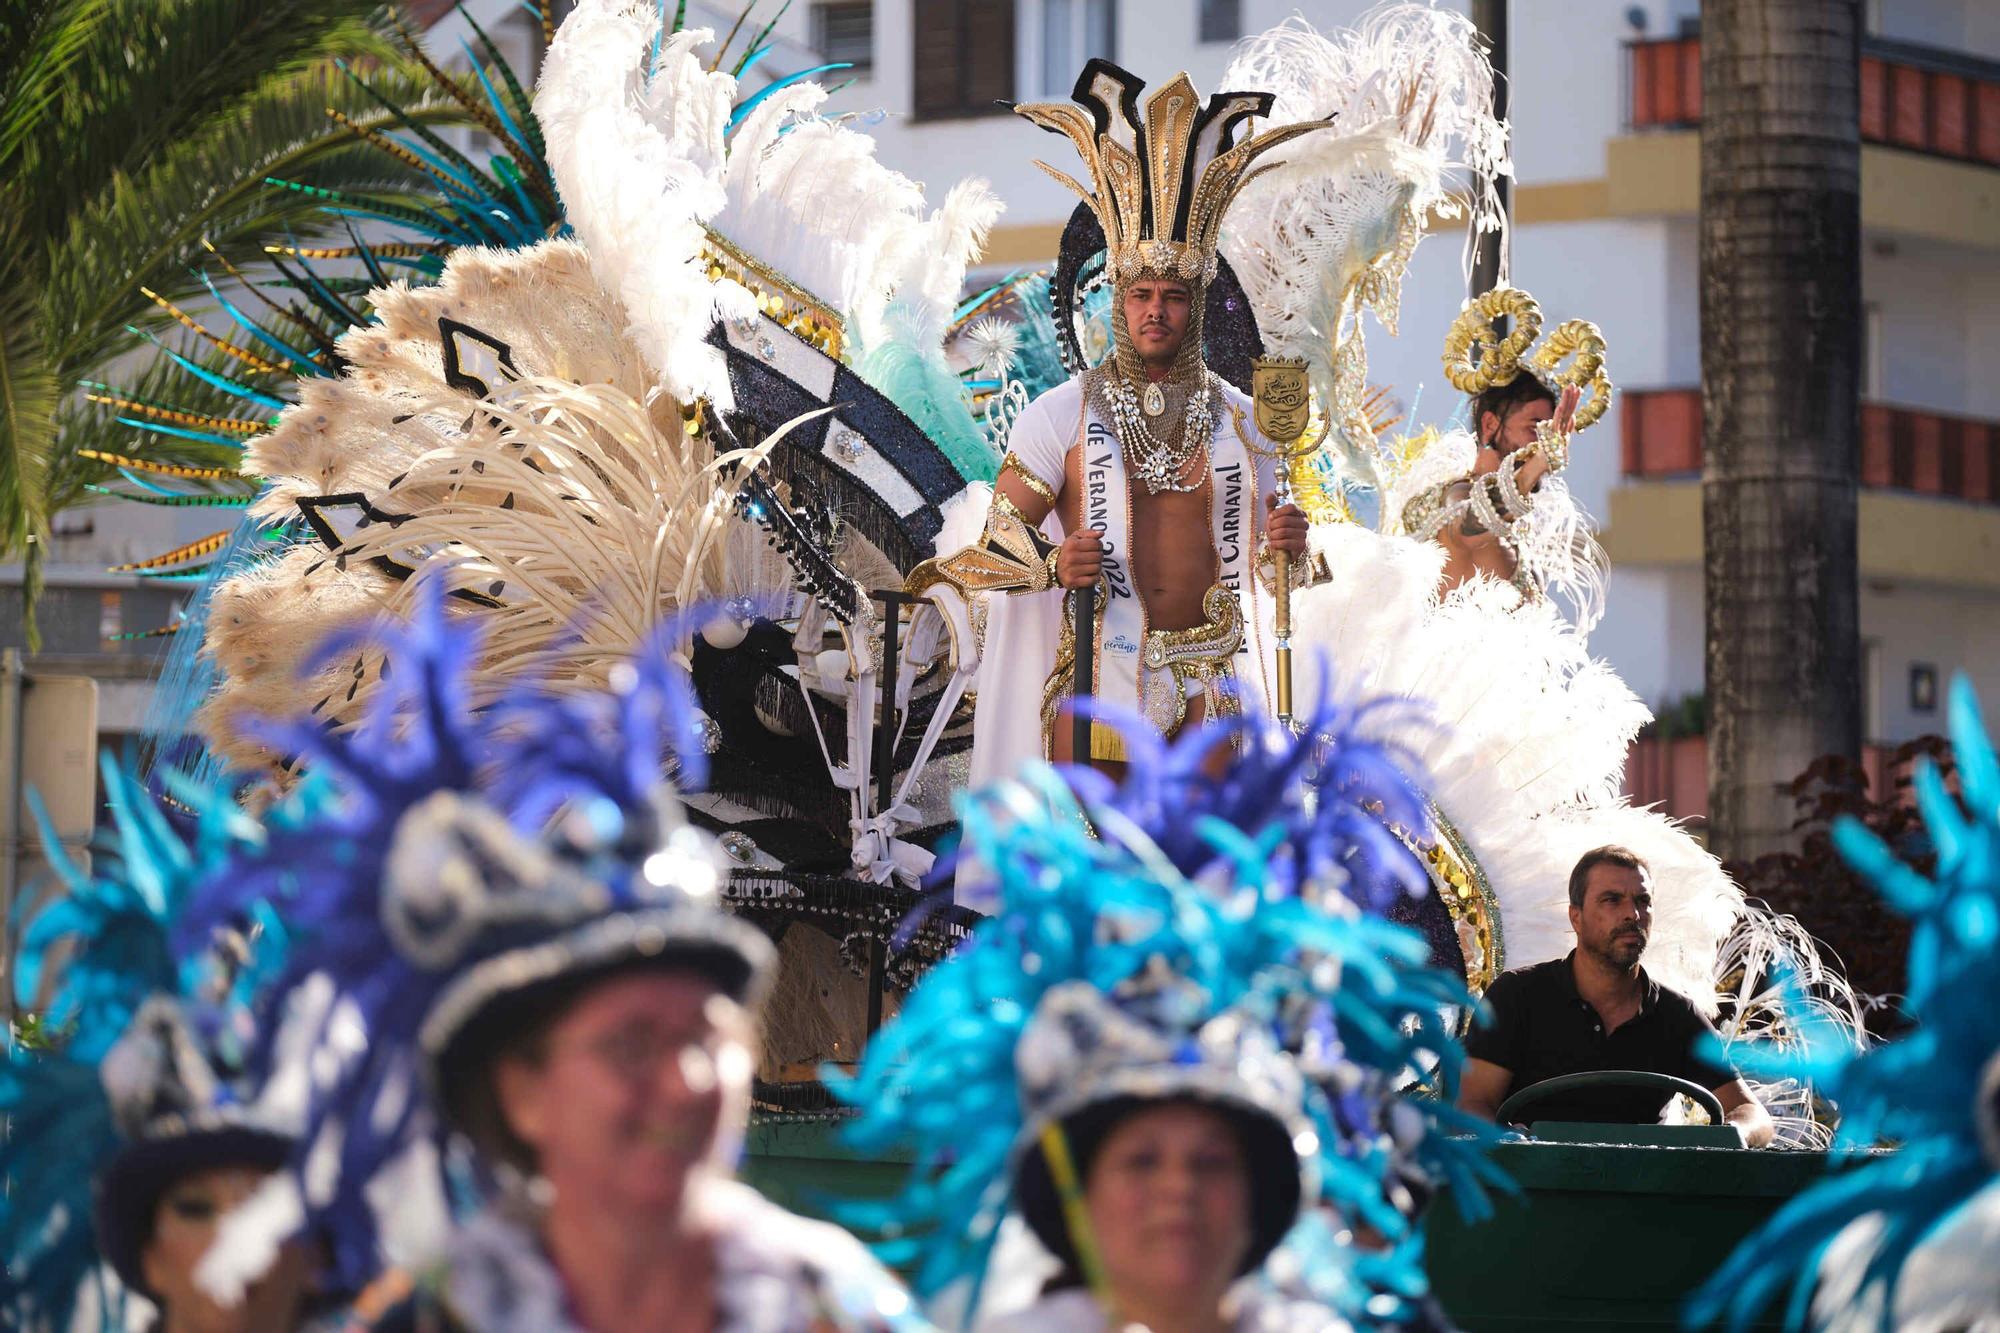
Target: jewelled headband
(1476, 360)
(1163, 173)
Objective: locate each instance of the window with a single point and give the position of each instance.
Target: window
(1871, 351)
(845, 34)
(1871, 690)
(1072, 32)
(1220, 21)
(964, 54)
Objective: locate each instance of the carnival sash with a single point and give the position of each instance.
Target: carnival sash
(1107, 505)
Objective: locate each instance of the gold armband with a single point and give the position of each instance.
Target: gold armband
(1011, 555)
(1034, 483)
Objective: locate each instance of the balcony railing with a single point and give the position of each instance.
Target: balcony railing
(1911, 97)
(1902, 449)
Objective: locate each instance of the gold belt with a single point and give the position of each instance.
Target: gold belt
(1174, 663)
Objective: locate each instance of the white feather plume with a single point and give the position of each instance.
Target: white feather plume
(1329, 232)
(644, 163)
(639, 163)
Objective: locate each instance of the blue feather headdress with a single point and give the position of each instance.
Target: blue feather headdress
(1872, 1244)
(460, 861)
(1181, 935)
(128, 1076)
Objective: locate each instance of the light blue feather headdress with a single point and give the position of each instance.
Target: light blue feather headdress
(462, 859)
(1204, 940)
(127, 1075)
(1899, 1237)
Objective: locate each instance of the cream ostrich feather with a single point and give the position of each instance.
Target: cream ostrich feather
(569, 506)
(1328, 233)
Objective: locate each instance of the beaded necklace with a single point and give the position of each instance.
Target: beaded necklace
(1155, 463)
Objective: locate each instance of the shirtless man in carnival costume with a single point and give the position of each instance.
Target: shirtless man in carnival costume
(1114, 478)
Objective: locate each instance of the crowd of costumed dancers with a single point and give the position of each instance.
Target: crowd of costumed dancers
(685, 671)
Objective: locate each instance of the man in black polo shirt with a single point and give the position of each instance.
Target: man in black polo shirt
(1597, 1009)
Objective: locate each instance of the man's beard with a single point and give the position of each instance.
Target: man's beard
(1169, 353)
(1620, 944)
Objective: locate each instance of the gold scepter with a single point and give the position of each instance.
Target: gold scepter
(1283, 401)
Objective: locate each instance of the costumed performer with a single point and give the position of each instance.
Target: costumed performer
(530, 968)
(1523, 734)
(131, 1129)
(1144, 477)
(1493, 499)
(1178, 1037)
(1904, 1239)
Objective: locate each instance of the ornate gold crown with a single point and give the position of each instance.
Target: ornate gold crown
(1164, 175)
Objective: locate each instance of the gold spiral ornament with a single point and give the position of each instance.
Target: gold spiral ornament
(1580, 343)
(1475, 360)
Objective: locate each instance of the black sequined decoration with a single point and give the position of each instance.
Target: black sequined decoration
(766, 399)
(1230, 338)
(1432, 919)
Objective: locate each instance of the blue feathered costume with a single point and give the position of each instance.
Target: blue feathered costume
(131, 1076)
(1907, 1240)
(1183, 937)
(467, 868)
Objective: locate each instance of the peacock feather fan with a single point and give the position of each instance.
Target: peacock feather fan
(1894, 1240)
(1242, 890)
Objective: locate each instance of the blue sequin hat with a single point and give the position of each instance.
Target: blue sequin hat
(519, 923)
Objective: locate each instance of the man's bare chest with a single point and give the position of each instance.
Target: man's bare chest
(1174, 515)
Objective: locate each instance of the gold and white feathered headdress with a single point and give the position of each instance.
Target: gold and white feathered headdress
(1163, 172)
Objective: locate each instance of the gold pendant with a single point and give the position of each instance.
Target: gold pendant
(1155, 402)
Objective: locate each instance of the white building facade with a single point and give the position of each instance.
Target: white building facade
(1605, 105)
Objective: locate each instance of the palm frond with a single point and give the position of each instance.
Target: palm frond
(30, 390)
(39, 41)
(159, 72)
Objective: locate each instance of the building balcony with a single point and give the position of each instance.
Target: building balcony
(1929, 505)
(1930, 130)
(1912, 97)
(1902, 449)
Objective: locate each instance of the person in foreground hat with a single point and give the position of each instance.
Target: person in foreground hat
(130, 1129)
(526, 935)
(1172, 1043)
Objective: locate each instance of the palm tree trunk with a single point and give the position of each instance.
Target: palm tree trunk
(1780, 370)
